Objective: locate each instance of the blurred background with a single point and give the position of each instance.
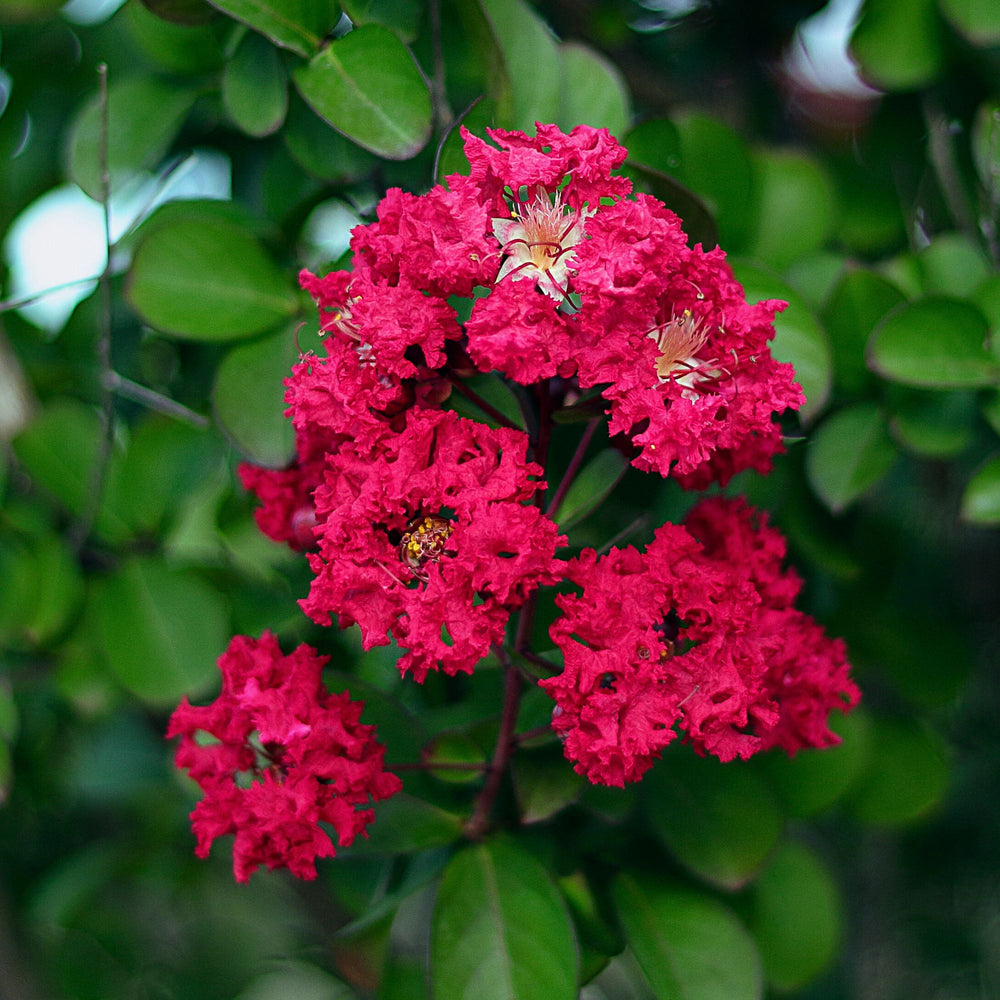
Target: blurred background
(847, 158)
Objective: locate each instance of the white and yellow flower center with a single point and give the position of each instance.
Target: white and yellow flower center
(538, 241)
(679, 342)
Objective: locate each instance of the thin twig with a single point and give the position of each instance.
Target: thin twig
(154, 400)
(478, 823)
(455, 122)
(473, 397)
(640, 522)
(7, 304)
(81, 529)
(573, 468)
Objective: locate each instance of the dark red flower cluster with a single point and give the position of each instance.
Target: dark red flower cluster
(276, 755)
(695, 634)
(430, 529)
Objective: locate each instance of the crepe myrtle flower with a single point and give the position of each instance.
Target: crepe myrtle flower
(281, 760)
(431, 538)
(684, 637)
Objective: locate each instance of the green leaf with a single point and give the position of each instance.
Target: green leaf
(715, 164)
(935, 343)
(531, 58)
(799, 339)
(698, 223)
(814, 780)
(978, 20)
(898, 44)
(298, 980)
(719, 820)
(981, 500)
(59, 449)
(848, 455)
(854, 307)
(985, 142)
(162, 630)
(544, 785)
(165, 461)
(403, 16)
(367, 86)
(488, 56)
(180, 11)
(321, 151)
(298, 25)
(500, 929)
(593, 91)
(249, 398)
(203, 278)
(144, 116)
(59, 592)
(690, 946)
(254, 87)
(455, 748)
(907, 775)
(191, 48)
(591, 487)
(792, 206)
(952, 265)
(797, 918)
(405, 824)
(933, 424)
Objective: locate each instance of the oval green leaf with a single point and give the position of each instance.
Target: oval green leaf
(792, 206)
(254, 87)
(849, 454)
(544, 785)
(813, 780)
(932, 424)
(501, 930)
(852, 310)
(797, 917)
(407, 824)
(321, 151)
(935, 343)
(978, 20)
(162, 630)
(594, 483)
(144, 116)
(593, 90)
(716, 165)
(59, 449)
(981, 500)
(719, 820)
(367, 86)
(689, 946)
(799, 340)
(907, 774)
(249, 398)
(898, 44)
(298, 25)
(531, 57)
(203, 278)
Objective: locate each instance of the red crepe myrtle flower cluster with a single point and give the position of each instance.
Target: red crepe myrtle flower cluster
(695, 634)
(282, 755)
(431, 529)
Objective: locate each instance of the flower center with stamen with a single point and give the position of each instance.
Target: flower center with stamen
(538, 242)
(679, 341)
(342, 320)
(424, 542)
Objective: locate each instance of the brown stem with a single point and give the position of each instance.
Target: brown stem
(473, 397)
(573, 468)
(479, 822)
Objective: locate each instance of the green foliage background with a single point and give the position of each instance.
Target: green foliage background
(128, 555)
